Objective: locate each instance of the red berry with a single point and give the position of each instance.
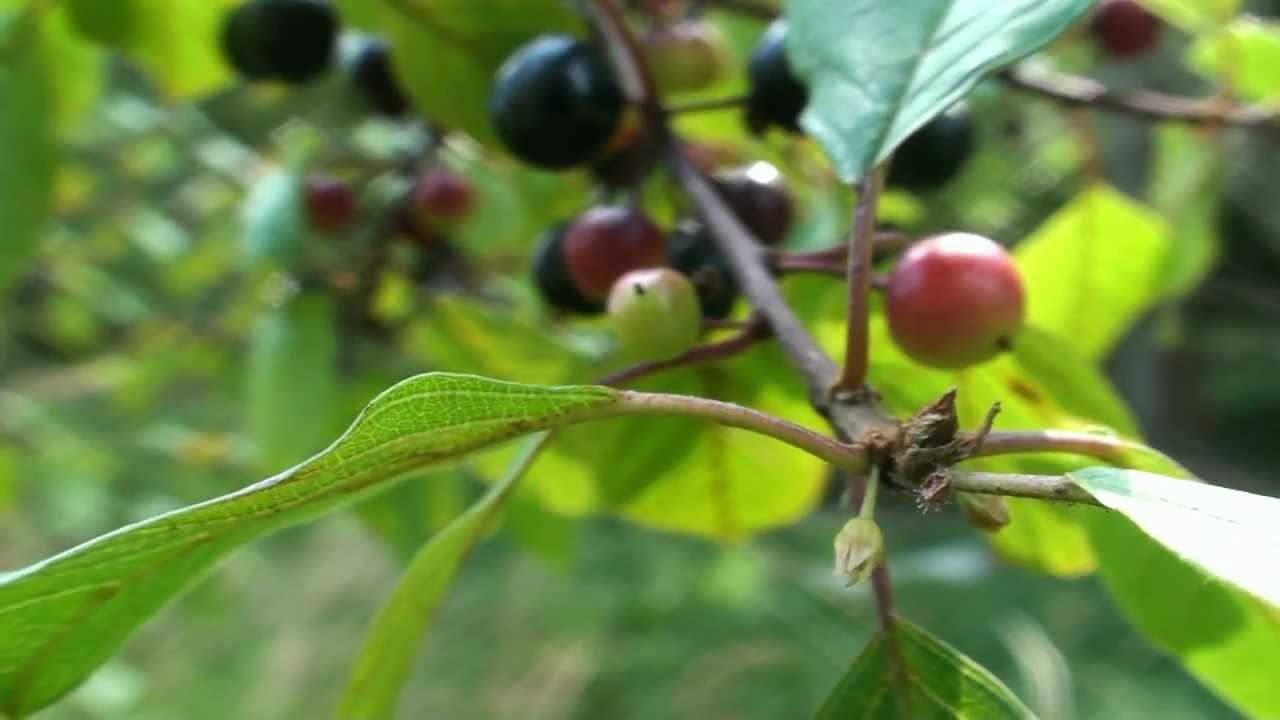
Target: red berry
(606, 242)
(1124, 28)
(330, 204)
(954, 300)
(441, 199)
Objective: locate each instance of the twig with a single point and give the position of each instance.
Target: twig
(701, 355)
(1040, 487)
(1111, 450)
(861, 244)
(1075, 90)
(695, 106)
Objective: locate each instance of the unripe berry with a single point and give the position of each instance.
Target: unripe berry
(288, 40)
(687, 56)
(330, 204)
(954, 300)
(777, 97)
(375, 79)
(551, 276)
(933, 154)
(655, 313)
(1124, 28)
(555, 102)
(440, 200)
(759, 199)
(606, 242)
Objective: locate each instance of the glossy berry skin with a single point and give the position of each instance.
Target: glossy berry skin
(606, 242)
(954, 300)
(555, 102)
(655, 313)
(760, 200)
(1124, 29)
(551, 276)
(695, 254)
(330, 204)
(934, 154)
(685, 57)
(287, 40)
(440, 200)
(374, 78)
(777, 97)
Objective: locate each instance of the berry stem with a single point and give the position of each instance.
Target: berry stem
(731, 102)
(868, 507)
(861, 247)
(750, 335)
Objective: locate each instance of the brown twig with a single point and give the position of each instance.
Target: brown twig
(1080, 91)
(1040, 487)
(749, 336)
(1109, 449)
(730, 102)
(861, 246)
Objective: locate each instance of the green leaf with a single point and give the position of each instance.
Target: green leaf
(1244, 54)
(447, 51)
(877, 71)
(1232, 535)
(293, 373)
(396, 633)
(274, 220)
(176, 41)
(908, 673)
(28, 103)
(1185, 180)
(63, 617)
(1194, 16)
(1227, 639)
(1094, 268)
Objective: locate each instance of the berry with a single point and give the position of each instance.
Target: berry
(1124, 28)
(330, 204)
(777, 97)
(288, 40)
(555, 102)
(375, 79)
(760, 201)
(954, 300)
(606, 242)
(695, 254)
(687, 56)
(629, 156)
(655, 313)
(440, 200)
(933, 154)
(551, 276)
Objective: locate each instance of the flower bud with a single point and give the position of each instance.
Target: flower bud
(985, 512)
(859, 549)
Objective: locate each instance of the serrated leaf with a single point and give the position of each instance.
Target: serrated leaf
(395, 634)
(63, 617)
(1094, 268)
(907, 672)
(877, 71)
(1245, 54)
(446, 52)
(1232, 535)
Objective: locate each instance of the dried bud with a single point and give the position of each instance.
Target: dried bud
(859, 549)
(985, 512)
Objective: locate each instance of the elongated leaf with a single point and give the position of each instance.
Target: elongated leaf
(1244, 53)
(396, 632)
(1094, 267)
(909, 673)
(877, 71)
(1230, 534)
(63, 617)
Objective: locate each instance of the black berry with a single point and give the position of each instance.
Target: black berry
(551, 276)
(933, 154)
(777, 97)
(694, 253)
(555, 103)
(288, 40)
(374, 78)
(758, 197)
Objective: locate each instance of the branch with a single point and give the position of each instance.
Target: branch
(861, 247)
(750, 335)
(1111, 450)
(1039, 487)
(1080, 91)
(730, 102)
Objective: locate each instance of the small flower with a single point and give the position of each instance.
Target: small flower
(985, 512)
(859, 549)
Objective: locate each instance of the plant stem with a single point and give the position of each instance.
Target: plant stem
(753, 333)
(695, 106)
(868, 508)
(1039, 487)
(861, 245)
(847, 456)
(754, 8)
(1112, 450)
